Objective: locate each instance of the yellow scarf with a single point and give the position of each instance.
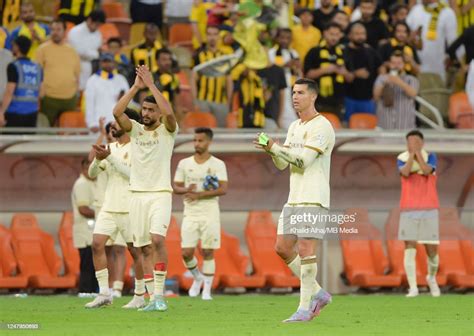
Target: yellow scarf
(326, 83)
(434, 10)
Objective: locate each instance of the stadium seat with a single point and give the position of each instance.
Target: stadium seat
(114, 10)
(108, 30)
(8, 263)
(231, 119)
(232, 265)
(453, 264)
(70, 254)
(459, 106)
(199, 119)
(363, 121)
(396, 248)
(260, 234)
(72, 119)
(183, 78)
(123, 26)
(365, 263)
(36, 256)
(185, 99)
(465, 121)
(181, 34)
(333, 119)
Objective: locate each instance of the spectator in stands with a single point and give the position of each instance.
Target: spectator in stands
(123, 64)
(70, 11)
(61, 68)
(282, 55)
(82, 198)
(343, 20)
(198, 19)
(363, 62)
(324, 14)
(470, 84)
(466, 39)
(177, 11)
(464, 10)
(325, 64)
(250, 90)
(395, 94)
(87, 40)
(19, 106)
(399, 42)
(274, 87)
(398, 13)
(211, 94)
(437, 25)
(145, 53)
(36, 32)
(305, 36)
(5, 58)
(376, 29)
(150, 11)
(165, 80)
(103, 90)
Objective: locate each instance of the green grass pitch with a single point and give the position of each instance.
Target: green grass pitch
(245, 315)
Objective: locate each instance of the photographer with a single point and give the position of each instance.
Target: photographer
(395, 94)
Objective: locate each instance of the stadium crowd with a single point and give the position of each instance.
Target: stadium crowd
(368, 57)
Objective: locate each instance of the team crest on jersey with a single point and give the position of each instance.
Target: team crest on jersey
(305, 135)
(125, 156)
(155, 134)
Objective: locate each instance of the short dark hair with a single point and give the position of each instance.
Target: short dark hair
(415, 133)
(283, 30)
(400, 23)
(212, 26)
(163, 51)
(303, 11)
(132, 114)
(150, 99)
(312, 85)
(23, 43)
(367, 1)
(152, 25)
(97, 16)
(397, 53)
(114, 40)
(330, 25)
(393, 9)
(107, 127)
(60, 21)
(205, 130)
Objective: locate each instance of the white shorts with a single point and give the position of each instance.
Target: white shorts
(150, 213)
(289, 221)
(116, 226)
(207, 229)
(420, 225)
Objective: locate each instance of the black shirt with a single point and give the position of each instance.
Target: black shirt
(321, 20)
(274, 80)
(467, 40)
(363, 57)
(376, 31)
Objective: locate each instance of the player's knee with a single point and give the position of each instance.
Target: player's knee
(208, 254)
(97, 246)
(134, 252)
(282, 250)
(158, 242)
(187, 254)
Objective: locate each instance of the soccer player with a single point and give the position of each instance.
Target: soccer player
(150, 178)
(307, 149)
(113, 218)
(201, 178)
(419, 218)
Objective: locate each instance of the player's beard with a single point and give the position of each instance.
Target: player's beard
(149, 121)
(117, 133)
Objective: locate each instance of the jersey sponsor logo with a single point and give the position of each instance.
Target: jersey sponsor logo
(149, 143)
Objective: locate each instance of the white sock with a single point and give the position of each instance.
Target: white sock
(409, 261)
(159, 280)
(192, 266)
(139, 287)
(433, 263)
(118, 286)
(295, 266)
(308, 281)
(208, 269)
(149, 285)
(103, 280)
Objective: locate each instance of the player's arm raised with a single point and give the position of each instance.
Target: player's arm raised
(123, 102)
(165, 107)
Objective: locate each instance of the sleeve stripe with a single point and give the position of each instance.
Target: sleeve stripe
(315, 149)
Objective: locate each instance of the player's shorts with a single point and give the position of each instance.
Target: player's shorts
(115, 225)
(420, 225)
(205, 228)
(150, 212)
(303, 221)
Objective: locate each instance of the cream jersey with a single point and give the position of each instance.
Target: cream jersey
(82, 195)
(100, 184)
(191, 172)
(311, 185)
(151, 158)
(117, 194)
